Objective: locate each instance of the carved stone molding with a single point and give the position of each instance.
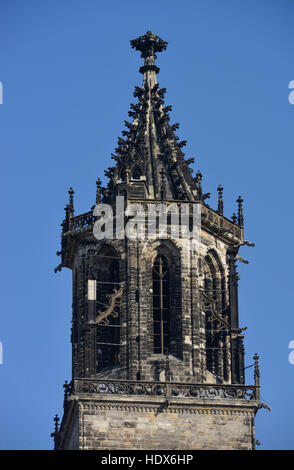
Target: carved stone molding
(97, 407)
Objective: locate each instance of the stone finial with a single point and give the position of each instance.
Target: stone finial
(256, 369)
(240, 211)
(65, 223)
(56, 429)
(67, 389)
(198, 181)
(56, 420)
(71, 201)
(98, 191)
(70, 208)
(220, 207)
(148, 45)
(162, 185)
(234, 218)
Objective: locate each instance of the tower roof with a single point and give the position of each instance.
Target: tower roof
(149, 150)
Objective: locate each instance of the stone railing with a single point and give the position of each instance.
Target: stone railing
(212, 219)
(166, 389)
(83, 220)
(209, 217)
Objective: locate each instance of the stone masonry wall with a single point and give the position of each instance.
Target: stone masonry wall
(129, 426)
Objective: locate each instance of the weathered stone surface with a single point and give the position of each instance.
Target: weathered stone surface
(146, 425)
(125, 328)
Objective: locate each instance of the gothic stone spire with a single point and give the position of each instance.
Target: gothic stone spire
(150, 147)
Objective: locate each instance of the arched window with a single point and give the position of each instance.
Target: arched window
(161, 305)
(216, 326)
(108, 328)
(136, 172)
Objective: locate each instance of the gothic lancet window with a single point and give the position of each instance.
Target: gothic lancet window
(161, 305)
(216, 326)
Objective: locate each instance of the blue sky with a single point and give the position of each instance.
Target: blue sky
(68, 75)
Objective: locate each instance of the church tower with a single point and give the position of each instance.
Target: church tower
(157, 349)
